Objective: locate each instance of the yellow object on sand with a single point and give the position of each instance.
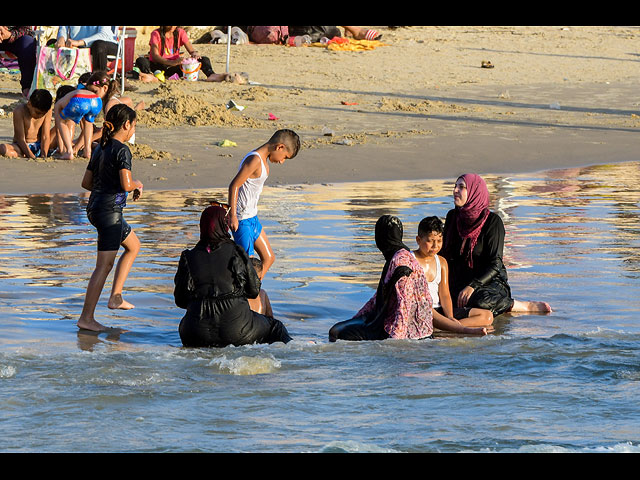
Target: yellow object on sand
(352, 45)
(227, 143)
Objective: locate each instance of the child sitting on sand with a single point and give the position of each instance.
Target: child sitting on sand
(261, 303)
(245, 189)
(81, 105)
(429, 240)
(31, 123)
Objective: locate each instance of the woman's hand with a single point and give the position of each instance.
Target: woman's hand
(464, 296)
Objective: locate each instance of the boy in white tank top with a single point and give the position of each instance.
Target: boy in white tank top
(245, 190)
(436, 269)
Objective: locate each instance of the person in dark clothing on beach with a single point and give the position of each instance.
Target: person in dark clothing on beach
(213, 282)
(20, 41)
(473, 244)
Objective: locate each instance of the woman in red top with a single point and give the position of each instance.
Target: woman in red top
(164, 55)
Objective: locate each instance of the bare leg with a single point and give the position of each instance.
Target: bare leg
(478, 317)
(131, 246)
(526, 306)
(443, 323)
(104, 264)
(263, 247)
(66, 134)
(218, 77)
(360, 33)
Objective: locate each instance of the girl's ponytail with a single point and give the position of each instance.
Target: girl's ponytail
(115, 119)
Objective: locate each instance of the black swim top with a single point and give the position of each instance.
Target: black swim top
(105, 164)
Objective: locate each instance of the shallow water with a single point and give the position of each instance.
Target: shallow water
(563, 382)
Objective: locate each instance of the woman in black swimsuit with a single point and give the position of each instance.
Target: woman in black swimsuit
(213, 281)
(473, 244)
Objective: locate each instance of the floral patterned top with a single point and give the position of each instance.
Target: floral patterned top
(410, 314)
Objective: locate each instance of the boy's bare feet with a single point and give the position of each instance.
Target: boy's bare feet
(116, 302)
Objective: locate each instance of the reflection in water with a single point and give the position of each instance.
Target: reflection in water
(535, 382)
(323, 235)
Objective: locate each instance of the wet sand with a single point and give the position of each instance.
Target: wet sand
(417, 106)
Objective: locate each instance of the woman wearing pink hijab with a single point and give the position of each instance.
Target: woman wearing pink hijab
(473, 244)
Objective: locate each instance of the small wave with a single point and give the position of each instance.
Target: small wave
(351, 446)
(7, 371)
(247, 365)
(627, 447)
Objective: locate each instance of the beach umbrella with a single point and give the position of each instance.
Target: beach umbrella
(228, 46)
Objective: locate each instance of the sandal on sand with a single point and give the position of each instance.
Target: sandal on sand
(486, 64)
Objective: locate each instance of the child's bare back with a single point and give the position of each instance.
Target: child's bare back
(31, 123)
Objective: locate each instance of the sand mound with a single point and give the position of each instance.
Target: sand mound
(140, 150)
(175, 107)
(424, 106)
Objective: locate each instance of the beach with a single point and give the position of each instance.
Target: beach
(553, 129)
(417, 105)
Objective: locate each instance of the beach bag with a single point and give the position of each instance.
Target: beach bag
(59, 66)
(266, 35)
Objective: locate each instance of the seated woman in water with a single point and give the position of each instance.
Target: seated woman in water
(402, 305)
(213, 282)
(473, 244)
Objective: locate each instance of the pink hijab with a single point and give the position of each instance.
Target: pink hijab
(472, 215)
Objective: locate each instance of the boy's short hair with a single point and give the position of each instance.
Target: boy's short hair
(63, 90)
(41, 99)
(84, 78)
(257, 263)
(287, 137)
(430, 224)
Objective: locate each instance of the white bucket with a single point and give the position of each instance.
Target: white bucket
(190, 67)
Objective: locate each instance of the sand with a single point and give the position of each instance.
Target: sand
(417, 106)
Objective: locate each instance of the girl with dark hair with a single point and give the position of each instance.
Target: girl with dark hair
(473, 244)
(213, 282)
(108, 177)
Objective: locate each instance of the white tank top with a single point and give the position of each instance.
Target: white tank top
(249, 192)
(435, 284)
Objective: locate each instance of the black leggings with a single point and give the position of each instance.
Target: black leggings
(208, 332)
(147, 66)
(112, 228)
(357, 329)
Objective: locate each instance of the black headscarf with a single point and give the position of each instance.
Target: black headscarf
(389, 232)
(213, 227)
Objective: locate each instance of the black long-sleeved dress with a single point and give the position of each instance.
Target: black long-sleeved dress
(214, 286)
(488, 276)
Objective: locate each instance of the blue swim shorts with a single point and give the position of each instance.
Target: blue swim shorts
(83, 105)
(248, 232)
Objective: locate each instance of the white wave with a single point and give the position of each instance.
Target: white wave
(246, 365)
(7, 371)
(351, 446)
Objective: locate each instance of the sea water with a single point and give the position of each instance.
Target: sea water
(563, 382)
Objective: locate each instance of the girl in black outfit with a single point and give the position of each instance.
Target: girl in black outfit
(213, 282)
(108, 177)
(473, 244)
